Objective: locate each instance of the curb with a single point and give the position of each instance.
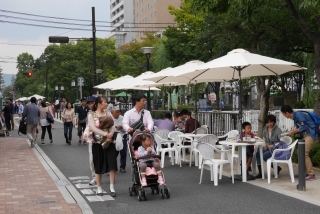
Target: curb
(68, 191)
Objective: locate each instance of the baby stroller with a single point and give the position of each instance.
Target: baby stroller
(3, 128)
(151, 175)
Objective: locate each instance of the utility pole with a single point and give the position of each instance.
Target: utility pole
(94, 55)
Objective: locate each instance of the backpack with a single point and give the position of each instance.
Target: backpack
(316, 120)
(281, 155)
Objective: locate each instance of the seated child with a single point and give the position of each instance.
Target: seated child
(144, 150)
(105, 123)
(246, 126)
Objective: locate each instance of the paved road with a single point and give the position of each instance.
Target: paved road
(187, 196)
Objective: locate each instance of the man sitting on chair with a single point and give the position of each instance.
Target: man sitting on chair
(190, 124)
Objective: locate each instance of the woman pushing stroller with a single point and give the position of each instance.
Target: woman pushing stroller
(144, 150)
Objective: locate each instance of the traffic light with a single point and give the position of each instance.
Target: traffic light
(29, 73)
(58, 39)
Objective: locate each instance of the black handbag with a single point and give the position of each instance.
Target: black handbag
(49, 117)
(22, 128)
(138, 125)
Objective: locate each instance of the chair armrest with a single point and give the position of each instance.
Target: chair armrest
(223, 136)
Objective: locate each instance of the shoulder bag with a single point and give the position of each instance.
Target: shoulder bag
(49, 117)
(138, 125)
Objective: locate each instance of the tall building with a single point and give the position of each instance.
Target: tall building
(153, 15)
(122, 21)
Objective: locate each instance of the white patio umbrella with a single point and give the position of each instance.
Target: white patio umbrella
(23, 98)
(137, 83)
(37, 96)
(170, 75)
(116, 82)
(238, 64)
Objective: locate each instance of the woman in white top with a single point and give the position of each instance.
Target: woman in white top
(68, 122)
(45, 125)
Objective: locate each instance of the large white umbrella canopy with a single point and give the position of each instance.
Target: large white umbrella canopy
(171, 75)
(239, 62)
(23, 98)
(124, 80)
(137, 83)
(37, 96)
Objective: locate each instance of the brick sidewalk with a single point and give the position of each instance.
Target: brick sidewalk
(25, 186)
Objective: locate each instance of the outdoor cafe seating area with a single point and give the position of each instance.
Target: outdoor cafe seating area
(216, 151)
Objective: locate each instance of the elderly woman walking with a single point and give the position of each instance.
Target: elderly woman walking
(104, 160)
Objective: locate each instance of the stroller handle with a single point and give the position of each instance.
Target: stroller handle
(149, 156)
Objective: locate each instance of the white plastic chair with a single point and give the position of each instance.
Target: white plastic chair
(232, 134)
(161, 137)
(275, 162)
(209, 139)
(207, 152)
(286, 139)
(174, 135)
(193, 151)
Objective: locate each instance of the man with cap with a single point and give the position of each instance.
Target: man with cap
(117, 118)
(81, 115)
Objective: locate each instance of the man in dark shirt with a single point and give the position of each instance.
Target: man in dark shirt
(190, 124)
(82, 112)
(7, 115)
(11, 113)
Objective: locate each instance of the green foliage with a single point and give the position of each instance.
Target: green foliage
(315, 154)
(1, 79)
(64, 63)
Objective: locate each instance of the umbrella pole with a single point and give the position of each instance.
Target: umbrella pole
(170, 99)
(196, 109)
(239, 177)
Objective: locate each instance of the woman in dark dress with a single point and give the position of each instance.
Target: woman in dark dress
(104, 160)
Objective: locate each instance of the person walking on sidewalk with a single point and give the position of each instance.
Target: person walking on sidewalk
(32, 113)
(7, 115)
(105, 160)
(118, 118)
(307, 128)
(62, 105)
(68, 122)
(45, 125)
(12, 113)
(20, 108)
(82, 113)
(87, 138)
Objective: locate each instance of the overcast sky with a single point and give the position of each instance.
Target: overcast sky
(20, 34)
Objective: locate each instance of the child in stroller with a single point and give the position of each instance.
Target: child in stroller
(144, 150)
(146, 166)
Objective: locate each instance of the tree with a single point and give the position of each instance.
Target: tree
(310, 26)
(1, 80)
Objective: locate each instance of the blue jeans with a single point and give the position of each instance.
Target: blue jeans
(68, 126)
(266, 156)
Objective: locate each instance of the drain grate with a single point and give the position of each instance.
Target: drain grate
(47, 202)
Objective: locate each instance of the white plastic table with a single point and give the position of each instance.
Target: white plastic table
(193, 142)
(242, 146)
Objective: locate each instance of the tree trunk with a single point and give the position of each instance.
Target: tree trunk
(263, 94)
(317, 72)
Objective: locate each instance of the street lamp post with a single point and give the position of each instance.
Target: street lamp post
(98, 72)
(57, 89)
(148, 51)
(73, 85)
(80, 84)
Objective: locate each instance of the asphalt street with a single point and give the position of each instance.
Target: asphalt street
(187, 195)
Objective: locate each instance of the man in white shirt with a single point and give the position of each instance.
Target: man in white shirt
(134, 114)
(20, 108)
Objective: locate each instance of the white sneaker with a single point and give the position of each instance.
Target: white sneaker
(101, 192)
(92, 182)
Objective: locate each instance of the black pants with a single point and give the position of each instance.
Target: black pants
(8, 121)
(44, 132)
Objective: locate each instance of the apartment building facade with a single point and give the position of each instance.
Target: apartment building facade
(122, 21)
(153, 15)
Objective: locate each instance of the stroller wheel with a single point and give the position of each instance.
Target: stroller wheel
(144, 195)
(167, 193)
(139, 195)
(161, 194)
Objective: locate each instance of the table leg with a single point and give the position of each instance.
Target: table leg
(244, 164)
(261, 157)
